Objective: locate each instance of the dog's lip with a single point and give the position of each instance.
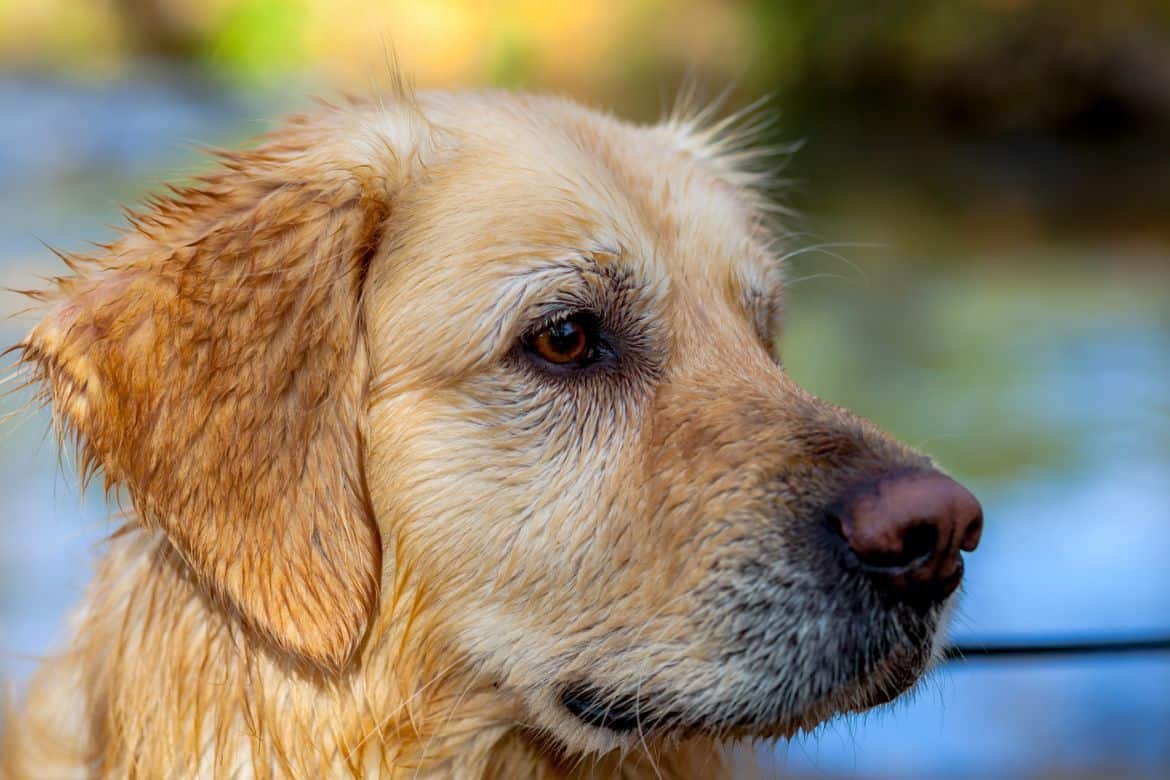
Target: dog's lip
(884, 682)
(601, 709)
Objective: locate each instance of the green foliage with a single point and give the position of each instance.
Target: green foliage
(511, 58)
(259, 39)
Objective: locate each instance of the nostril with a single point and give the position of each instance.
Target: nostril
(912, 549)
(918, 545)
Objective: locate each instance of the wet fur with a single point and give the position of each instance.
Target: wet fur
(370, 537)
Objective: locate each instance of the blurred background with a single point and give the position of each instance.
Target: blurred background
(981, 265)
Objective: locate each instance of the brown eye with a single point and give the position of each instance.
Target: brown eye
(571, 340)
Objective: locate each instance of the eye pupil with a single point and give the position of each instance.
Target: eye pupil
(567, 337)
(569, 341)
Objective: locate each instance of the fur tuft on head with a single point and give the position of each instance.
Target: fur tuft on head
(732, 144)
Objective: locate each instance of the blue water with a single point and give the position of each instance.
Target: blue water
(1045, 389)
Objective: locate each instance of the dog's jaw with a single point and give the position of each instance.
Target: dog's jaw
(588, 720)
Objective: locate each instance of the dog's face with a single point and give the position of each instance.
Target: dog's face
(583, 442)
(523, 356)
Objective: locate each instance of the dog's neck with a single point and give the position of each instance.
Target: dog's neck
(175, 687)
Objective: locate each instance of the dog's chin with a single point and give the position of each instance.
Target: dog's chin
(593, 718)
(883, 683)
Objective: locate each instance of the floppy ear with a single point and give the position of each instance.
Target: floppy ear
(212, 360)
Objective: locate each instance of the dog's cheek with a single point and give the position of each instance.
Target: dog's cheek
(517, 511)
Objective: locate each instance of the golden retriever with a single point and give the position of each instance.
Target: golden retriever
(456, 445)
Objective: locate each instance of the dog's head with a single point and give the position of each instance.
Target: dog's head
(503, 368)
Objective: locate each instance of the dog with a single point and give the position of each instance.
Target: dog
(454, 443)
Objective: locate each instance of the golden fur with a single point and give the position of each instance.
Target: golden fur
(371, 538)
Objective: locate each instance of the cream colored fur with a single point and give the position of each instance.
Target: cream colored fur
(370, 536)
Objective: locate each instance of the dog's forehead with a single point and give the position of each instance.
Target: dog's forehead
(553, 175)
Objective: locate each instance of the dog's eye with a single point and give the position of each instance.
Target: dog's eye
(572, 340)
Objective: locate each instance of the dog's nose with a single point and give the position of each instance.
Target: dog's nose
(907, 531)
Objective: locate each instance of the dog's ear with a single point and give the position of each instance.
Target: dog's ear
(212, 361)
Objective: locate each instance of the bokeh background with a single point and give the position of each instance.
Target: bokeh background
(981, 264)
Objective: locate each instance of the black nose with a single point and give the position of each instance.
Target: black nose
(907, 530)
